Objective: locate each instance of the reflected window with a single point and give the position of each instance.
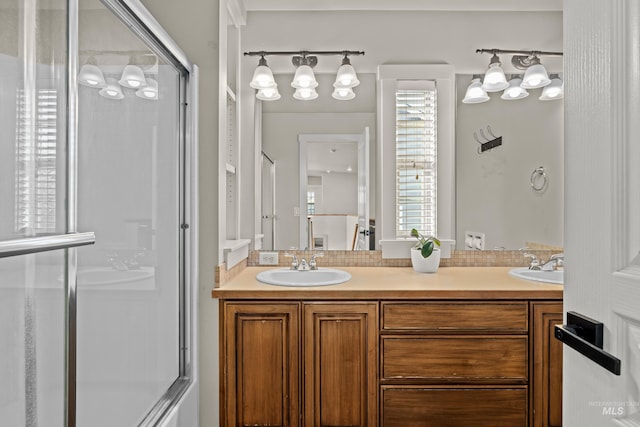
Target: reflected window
(35, 176)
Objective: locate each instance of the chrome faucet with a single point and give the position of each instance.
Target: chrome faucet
(534, 264)
(304, 266)
(553, 263)
(312, 264)
(294, 261)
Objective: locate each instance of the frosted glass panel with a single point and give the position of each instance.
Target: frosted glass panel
(32, 346)
(128, 282)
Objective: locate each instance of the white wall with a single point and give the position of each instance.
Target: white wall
(339, 193)
(494, 195)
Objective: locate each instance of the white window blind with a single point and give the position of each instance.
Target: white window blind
(416, 159)
(36, 140)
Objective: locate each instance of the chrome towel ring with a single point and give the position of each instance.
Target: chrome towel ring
(539, 179)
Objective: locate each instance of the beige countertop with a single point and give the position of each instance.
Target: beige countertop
(397, 283)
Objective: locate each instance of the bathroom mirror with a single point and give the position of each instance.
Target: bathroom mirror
(494, 195)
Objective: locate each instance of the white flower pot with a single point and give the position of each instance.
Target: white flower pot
(425, 265)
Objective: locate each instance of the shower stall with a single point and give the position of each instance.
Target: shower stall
(98, 223)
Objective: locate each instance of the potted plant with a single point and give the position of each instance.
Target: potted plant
(425, 255)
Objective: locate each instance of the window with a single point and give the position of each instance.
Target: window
(416, 154)
(311, 202)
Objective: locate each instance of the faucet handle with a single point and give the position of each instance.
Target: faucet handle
(294, 260)
(312, 262)
(535, 262)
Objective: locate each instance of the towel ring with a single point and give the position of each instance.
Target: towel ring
(539, 179)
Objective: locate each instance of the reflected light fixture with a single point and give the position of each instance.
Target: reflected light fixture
(304, 81)
(475, 94)
(494, 78)
(132, 77)
(514, 91)
(150, 91)
(91, 75)
(555, 89)
(111, 90)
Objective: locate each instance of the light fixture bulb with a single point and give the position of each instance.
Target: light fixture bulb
(346, 76)
(535, 76)
(91, 75)
(514, 91)
(150, 91)
(268, 94)
(555, 89)
(305, 94)
(132, 77)
(343, 94)
(304, 78)
(475, 94)
(262, 76)
(111, 90)
(494, 78)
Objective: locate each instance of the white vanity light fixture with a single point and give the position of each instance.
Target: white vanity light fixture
(536, 75)
(514, 91)
(112, 89)
(263, 76)
(150, 91)
(475, 94)
(91, 75)
(304, 81)
(555, 90)
(494, 78)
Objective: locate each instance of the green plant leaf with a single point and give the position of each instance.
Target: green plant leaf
(427, 249)
(414, 233)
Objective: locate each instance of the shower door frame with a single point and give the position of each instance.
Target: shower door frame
(142, 23)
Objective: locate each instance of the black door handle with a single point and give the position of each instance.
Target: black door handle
(585, 335)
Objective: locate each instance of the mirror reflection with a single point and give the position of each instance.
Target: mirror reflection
(495, 200)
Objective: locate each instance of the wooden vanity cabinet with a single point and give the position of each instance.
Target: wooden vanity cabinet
(546, 366)
(300, 363)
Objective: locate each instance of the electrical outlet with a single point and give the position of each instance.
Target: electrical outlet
(474, 240)
(268, 258)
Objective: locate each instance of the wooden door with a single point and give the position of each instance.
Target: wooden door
(546, 378)
(340, 364)
(262, 364)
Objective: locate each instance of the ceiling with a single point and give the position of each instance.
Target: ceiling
(389, 5)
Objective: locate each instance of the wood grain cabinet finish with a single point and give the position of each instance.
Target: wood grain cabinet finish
(261, 365)
(340, 364)
(546, 380)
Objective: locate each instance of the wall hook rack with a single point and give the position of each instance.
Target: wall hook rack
(486, 143)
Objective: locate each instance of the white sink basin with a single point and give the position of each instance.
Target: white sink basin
(288, 277)
(556, 277)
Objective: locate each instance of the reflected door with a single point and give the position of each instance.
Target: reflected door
(268, 213)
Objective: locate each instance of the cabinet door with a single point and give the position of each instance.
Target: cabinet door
(546, 384)
(340, 364)
(262, 364)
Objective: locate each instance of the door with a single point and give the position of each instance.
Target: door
(363, 191)
(602, 240)
(268, 202)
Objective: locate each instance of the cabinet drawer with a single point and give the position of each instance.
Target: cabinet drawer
(452, 316)
(455, 358)
(442, 407)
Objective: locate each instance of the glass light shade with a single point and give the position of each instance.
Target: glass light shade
(555, 90)
(304, 78)
(262, 78)
(305, 94)
(132, 77)
(111, 90)
(535, 77)
(475, 94)
(150, 91)
(494, 79)
(343, 94)
(91, 75)
(514, 91)
(346, 77)
(268, 94)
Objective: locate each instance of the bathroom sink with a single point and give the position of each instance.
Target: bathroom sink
(556, 276)
(297, 278)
